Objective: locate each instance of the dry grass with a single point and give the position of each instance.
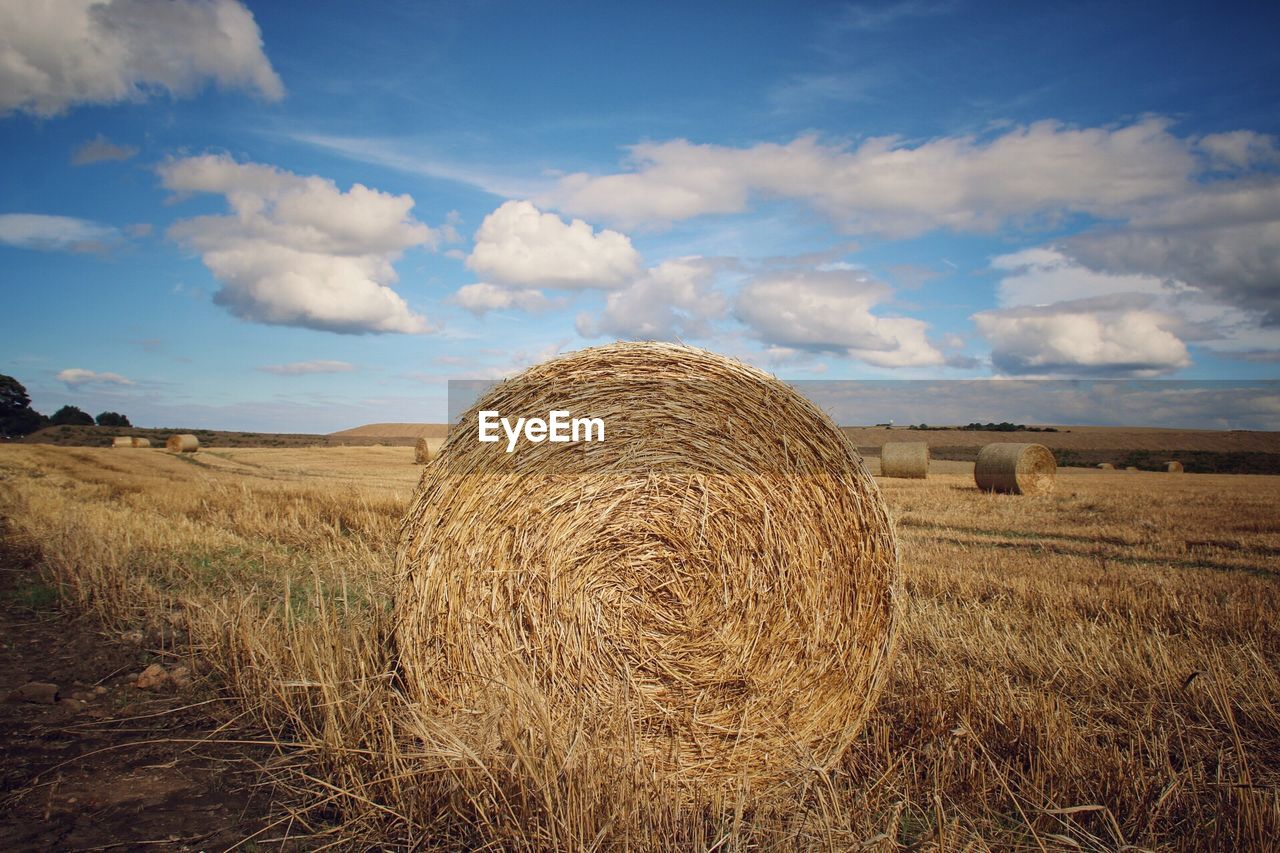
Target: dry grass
(1091, 669)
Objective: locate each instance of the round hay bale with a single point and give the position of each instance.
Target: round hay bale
(421, 452)
(122, 441)
(1106, 466)
(1017, 469)
(712, 591)
(141, 442)
(906, 459)
(1131, 468)
(1173, 466)
(182, 443)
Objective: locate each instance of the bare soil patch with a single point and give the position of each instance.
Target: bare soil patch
(109, 766)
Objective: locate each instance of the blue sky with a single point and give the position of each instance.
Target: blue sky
(300, 217)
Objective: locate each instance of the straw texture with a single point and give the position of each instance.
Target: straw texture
(906, 459)
(140, 442)
(1016, 469)
(122, 441)
(182, 443)
(712, 591)
(421, 452)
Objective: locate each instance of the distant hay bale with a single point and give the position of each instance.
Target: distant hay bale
(1173, 466)
(421, 452)
(907, 459)
(1017, 469)
(1106, 466)
(122, 441)
(710, 594)
(182, 443)
(141, 442)
(1131, 468)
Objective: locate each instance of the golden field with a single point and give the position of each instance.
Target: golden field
(1095, 669)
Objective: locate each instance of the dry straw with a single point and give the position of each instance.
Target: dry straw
(141, 442)
(1173, 467)
(422, 452)
(1106, 466)
(708, 596)
(122, 441)
(1018, 469)
(1131, 468)
(907, 459)
(182, 443)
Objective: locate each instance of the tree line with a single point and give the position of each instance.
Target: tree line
(17, 418)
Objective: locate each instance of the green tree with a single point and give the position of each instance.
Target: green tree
(113, 419)
(71, 416)
(16, 415)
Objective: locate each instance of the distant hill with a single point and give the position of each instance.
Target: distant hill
(388, 434)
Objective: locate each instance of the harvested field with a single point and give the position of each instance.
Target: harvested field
(1089, 669)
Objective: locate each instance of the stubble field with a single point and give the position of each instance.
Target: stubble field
(1094, 669)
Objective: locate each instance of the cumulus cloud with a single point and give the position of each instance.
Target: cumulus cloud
(832, 312)
(76, 376)
(1114, 336)
(1203, 210)
(1035, 279)
(1223, 238)
(55, 54)
(1240, 149)
(55, 233)
(675, 299)
(297, 250)
(890, 187)
(100, 149)
(484, 297)
(519, 246)
(307, 368)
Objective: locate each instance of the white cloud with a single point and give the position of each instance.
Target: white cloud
(75, 376)
(484, 297)
(519, 246)
(55, 233)
(100, 149)
(831, 312)
(58, 53)
(1115, 336)
(297, 250)
(306, 368)
(1037, 278)
(1240, 149)
(675, 299)
(893, 188)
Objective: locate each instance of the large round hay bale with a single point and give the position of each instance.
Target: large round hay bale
(711, 592)
(1106, 466)
(182, 443)
(1017, 469)
(141, 442)
(1173, 466)
(421, 452)
(907, 459)
(122, 441)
